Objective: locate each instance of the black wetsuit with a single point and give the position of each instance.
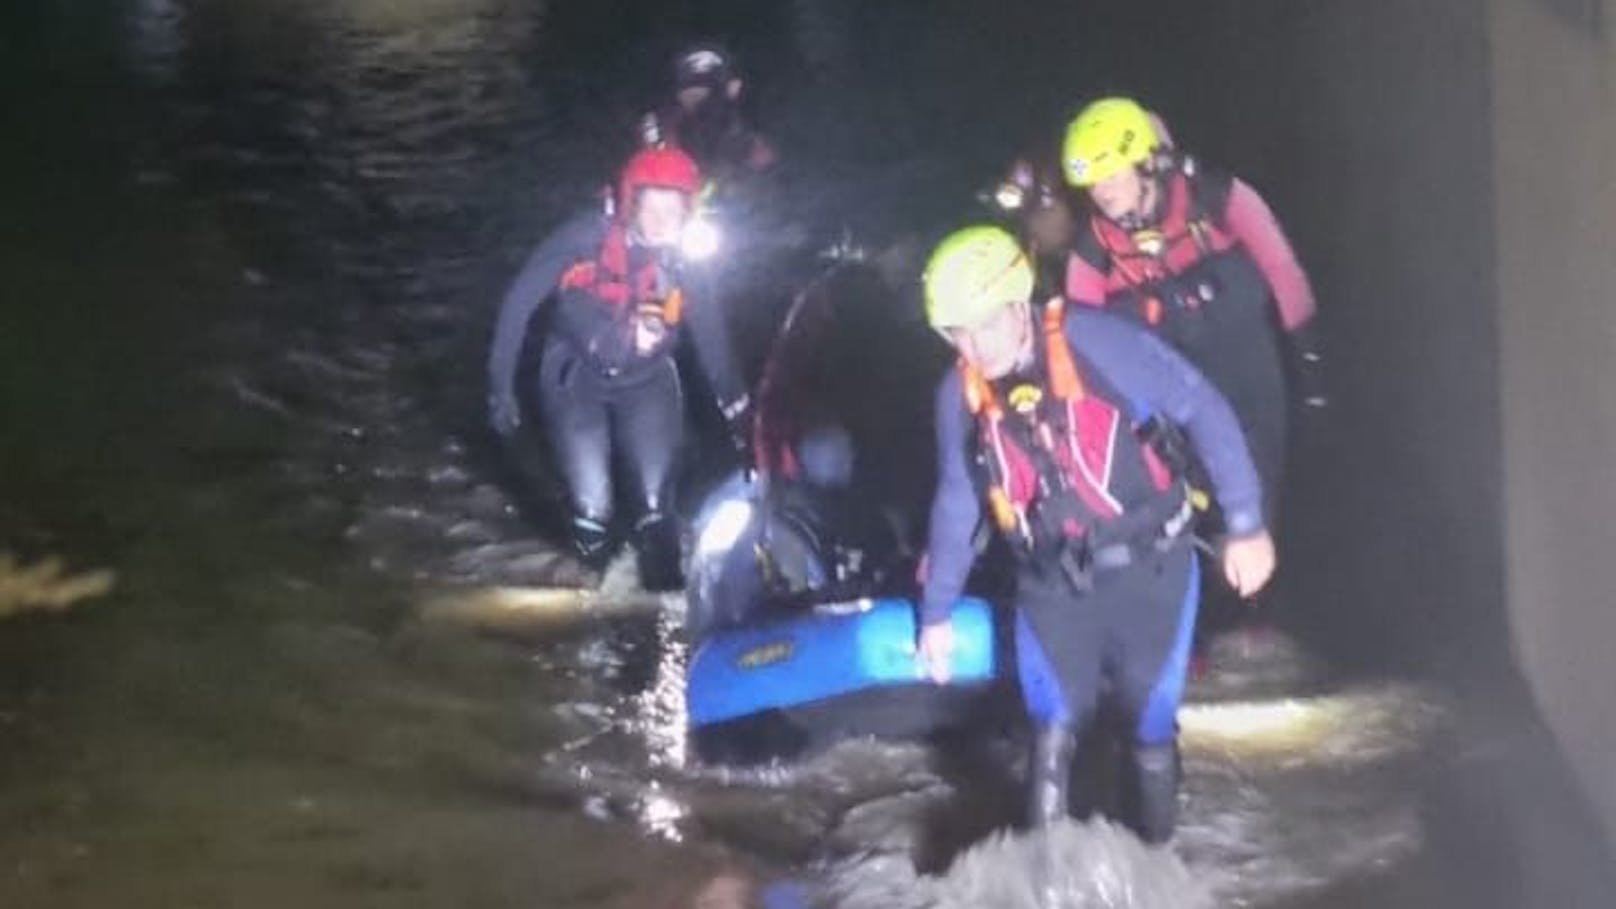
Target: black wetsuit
(1129, 615)
(607, 384)
(719, 138)
(1215, 276)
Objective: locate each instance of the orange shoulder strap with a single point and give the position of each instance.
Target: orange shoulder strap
(979, 398)
(1063, 378)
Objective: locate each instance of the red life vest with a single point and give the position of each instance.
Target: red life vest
(1169, 266)
(1061, 459)
(606, 277)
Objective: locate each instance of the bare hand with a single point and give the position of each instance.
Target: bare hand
(936, 647)
(1248, 563)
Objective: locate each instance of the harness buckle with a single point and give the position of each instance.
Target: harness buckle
(1175, 525)
(1077, 566)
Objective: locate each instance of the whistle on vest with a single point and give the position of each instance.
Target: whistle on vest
(1024, 399)
(1077, 566)
(1150, 241)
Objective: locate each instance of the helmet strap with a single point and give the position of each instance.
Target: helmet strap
(1152, 196)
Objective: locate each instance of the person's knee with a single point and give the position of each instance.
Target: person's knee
(651, 456)
(592, 500)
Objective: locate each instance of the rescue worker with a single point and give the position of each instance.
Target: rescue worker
(1196, 255)
(607, 384)
(1031, 201)
(831, 364)
(705, 118)
(1056, 420)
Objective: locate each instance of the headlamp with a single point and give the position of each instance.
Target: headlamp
(1009, 196)
(701, 239)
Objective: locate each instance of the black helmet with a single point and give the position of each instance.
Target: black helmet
(707, 64)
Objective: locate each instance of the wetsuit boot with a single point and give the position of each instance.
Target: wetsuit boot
(1049, 774)
(1153, 805)
(592, 541)
(656, 542)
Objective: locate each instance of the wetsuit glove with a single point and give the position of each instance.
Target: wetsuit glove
(1307, 367)
(504, 413)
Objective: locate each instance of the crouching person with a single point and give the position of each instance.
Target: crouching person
(1057, 421)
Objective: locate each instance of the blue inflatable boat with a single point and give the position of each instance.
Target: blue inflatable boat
(835, 650)
(841, 670)
(791, 652)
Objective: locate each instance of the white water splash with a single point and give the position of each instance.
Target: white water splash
(1069, 866)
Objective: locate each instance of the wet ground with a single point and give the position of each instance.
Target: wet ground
(251, 251)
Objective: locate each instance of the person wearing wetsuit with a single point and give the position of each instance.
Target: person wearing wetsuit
(607, 385)
(1053, 420)
(705, 118)
(1030, 201)
(1194, 254)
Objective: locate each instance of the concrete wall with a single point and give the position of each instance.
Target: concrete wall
(1554, 83)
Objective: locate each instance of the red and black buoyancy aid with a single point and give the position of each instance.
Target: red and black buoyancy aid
(610, 279)
(1061, 461)
(1184, 261)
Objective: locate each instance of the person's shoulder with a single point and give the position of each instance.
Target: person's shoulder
(1087, 324)
(591, 219)
(1112, 341)
(579, 234)
(949, 396)
(1210, 184)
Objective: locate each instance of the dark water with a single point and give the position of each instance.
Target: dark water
(252, 250)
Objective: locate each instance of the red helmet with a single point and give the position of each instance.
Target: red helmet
(665, 168)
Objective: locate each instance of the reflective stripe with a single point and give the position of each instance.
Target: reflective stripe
(1040, 685)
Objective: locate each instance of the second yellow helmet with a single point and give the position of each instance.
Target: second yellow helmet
(973, 273)
(1107, 136)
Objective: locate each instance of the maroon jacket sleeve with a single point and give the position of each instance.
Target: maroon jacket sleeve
(1250, 220)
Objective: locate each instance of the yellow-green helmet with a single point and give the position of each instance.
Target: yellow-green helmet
(1107, 136)
(974, 273)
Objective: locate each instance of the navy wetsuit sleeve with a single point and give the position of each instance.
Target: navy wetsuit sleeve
(577, 239)
(955, 509)
(1146, 370)
(709, 330)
